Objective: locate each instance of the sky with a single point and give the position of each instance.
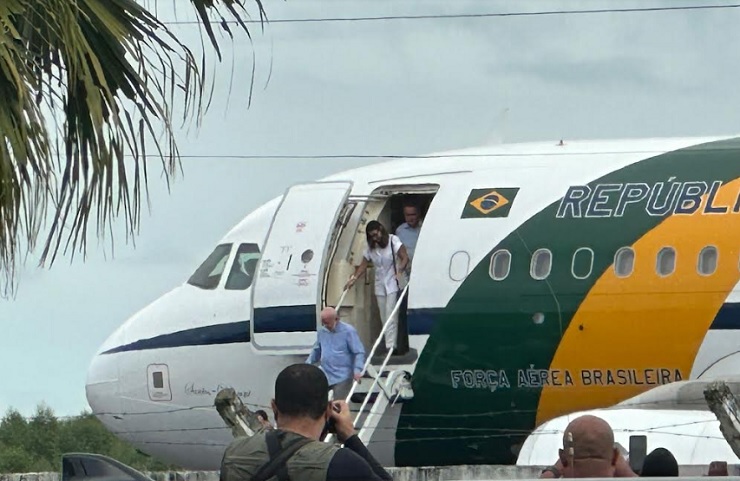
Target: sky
(391, 87)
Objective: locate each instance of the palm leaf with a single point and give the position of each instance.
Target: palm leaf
(115, 72)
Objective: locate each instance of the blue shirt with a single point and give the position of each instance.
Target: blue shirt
(409, 235)
(340, 351)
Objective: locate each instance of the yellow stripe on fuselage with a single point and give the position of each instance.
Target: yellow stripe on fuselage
(644, 328)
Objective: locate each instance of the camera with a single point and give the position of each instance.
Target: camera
(329, 426)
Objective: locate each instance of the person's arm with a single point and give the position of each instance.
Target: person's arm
(315, 354)
(359, 271)
(358, 350)
(354, 461)
(403, 256)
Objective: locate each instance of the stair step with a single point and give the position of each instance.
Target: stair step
(359, 397)
(371, 375)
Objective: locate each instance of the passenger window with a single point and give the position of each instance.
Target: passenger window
(624, 262)
(541, 264)
(583, 263)
(243, 267)
(207, 275)
(708, 261)
(500, 265)
(666, 262)
(459, 266)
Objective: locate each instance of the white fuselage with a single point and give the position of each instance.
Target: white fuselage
(153, 382)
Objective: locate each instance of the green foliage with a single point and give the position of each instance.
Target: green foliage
(89, 90)
(36, 444)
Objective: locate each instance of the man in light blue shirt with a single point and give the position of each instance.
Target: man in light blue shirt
(340, 352)
(408, 232)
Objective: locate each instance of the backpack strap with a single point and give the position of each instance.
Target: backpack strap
(279, 455)
(274, 447)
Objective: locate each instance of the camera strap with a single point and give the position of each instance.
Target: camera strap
(279, 455)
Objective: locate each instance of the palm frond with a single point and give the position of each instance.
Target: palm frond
(115, 72)
(24, 151)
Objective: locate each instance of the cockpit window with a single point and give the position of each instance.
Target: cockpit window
(243, 268)
(209, 273)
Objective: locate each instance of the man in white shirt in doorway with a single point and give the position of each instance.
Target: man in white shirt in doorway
(408, 232)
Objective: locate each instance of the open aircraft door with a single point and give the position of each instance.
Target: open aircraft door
(287, 287)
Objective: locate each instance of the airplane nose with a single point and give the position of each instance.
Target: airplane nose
(102, 386)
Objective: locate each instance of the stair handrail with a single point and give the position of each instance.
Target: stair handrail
(372, 352)
(369, 358)
(380, 337)
(341, 300)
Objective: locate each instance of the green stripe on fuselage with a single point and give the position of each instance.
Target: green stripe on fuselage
(488, 326)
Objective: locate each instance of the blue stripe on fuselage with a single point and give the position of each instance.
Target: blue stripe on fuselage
(419, 321)
(285, 319)
(728, 317)
(198, 336)
(422, 321)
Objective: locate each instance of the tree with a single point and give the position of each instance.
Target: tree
(14, 429)
(43, 438)
(114, 71)
(37, 444)
(85, 434)
(14, 459)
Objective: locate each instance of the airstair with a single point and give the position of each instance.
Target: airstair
(388, 386)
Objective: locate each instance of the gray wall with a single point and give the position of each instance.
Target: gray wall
(431, 473)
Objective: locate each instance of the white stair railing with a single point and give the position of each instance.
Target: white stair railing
(370, 355)
(376, 375)
(341, 300)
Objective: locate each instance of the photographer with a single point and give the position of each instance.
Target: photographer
(294, 451)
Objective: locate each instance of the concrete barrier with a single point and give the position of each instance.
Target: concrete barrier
(432, 473)
(31, 477)
(427, 473)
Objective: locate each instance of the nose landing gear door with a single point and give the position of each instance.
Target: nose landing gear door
(288, 283)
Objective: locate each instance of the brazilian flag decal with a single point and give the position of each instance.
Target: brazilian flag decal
(491, 202)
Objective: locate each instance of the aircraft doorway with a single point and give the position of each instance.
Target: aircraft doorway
(405, 214)
(360, 306)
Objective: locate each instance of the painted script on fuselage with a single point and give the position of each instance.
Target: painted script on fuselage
(658, 199)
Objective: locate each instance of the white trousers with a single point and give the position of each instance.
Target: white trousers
(386, 304)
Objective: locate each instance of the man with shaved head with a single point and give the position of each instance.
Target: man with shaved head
(589, 452)
(339, 351)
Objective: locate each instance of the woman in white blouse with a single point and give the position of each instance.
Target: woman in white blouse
(383, 249)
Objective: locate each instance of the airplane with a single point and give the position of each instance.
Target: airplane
(549, 278)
